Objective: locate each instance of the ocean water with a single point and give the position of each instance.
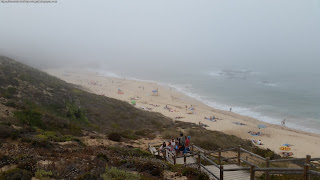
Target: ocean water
(268, 96)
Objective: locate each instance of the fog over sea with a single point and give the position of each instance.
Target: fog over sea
(267, 95)
(259, 57)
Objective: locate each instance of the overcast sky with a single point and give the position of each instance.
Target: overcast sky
(248, 32)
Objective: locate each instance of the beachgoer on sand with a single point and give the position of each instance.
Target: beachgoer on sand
(259, 142)
(283, 122)
(230, 109)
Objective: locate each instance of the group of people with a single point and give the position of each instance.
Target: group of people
(177, 146)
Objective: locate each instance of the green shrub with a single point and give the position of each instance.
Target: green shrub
(129, 135)
(126, 151)
(6, 131)
(10, 104)
(149, 167)
(43, 175)
(103, 156)
(10, 92)
(117, 174)
(76, 113)
(87, 176)
(114, 137)
(265, 153)
(30, 117)
(41, 140)
(16, 174)
(193, 173)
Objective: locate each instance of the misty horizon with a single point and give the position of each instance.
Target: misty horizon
(246, 35)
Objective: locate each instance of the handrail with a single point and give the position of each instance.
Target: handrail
(209, 172)
(206, 155)
(285, 172)
(224, 150)
(186, 155)
(236, 169)
(210, 161)
(290, 159)
(314, 172)
(230, 149)
(257, 156)
(251, 164)
(170, 152)
(228, 158)
(278, 169)
(199, 148)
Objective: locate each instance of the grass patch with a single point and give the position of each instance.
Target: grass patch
(43, 175)
(117, 174)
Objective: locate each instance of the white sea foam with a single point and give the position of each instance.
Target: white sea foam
(232, 74)
(267, 83)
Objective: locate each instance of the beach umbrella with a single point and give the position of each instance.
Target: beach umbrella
(154, 91)
(133, 102)
(261, 126)
(285, 148)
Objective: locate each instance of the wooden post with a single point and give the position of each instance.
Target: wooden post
(267, 166)
(252, 172)
(192, 150)
(308, 157)
(199, 161)
(239, 152)
(221, 172)
(205, 154)
(184, 159)
(219, 156)
(306, 168)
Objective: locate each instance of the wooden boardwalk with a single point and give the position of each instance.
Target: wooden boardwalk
(189, 160)
(199, 157)
(230, 175)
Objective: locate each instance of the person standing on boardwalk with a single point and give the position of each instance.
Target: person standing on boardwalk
(182, 142)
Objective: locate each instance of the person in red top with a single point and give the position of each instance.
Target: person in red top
(187, 144)
(187, 141)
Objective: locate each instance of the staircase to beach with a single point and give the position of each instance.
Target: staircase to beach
(235, 163)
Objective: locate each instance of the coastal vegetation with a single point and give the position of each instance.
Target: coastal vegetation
(46, 123)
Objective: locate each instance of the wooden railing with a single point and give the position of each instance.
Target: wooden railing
(207, 157)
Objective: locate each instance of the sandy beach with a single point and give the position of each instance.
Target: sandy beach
(180, 105)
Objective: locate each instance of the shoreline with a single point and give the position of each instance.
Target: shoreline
(273, 137)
